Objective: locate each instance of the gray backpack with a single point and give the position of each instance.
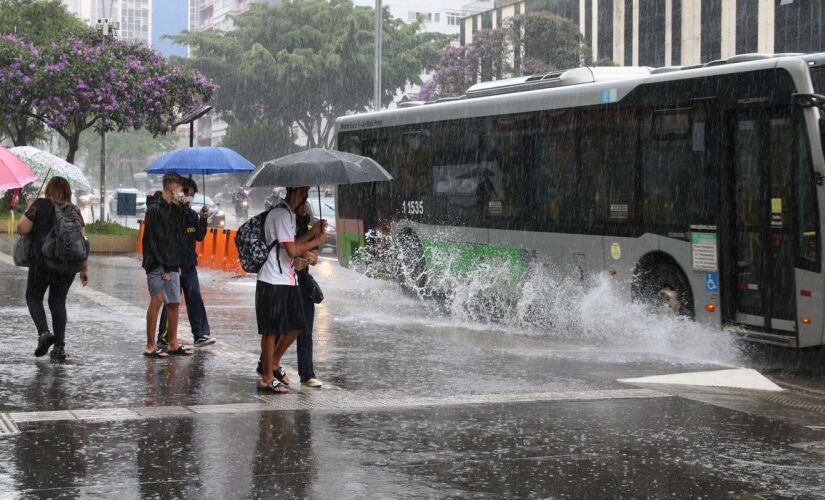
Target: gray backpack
(65, 248)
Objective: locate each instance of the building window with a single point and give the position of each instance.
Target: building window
(437, 17)
(453, 18)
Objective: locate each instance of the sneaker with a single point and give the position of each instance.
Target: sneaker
(58, 353)
(44, 341)
(204, 341)
(313, 382)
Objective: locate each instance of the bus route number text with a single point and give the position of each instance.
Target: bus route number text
(412, 207)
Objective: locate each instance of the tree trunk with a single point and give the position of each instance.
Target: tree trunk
(21, 127)
(74, 144)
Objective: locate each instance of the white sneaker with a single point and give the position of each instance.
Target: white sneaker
(313, 382)
(204, 341)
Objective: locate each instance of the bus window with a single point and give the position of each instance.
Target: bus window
(459, 172)
(674, 169)
(608, 160)
(511, 148)
(555, 193)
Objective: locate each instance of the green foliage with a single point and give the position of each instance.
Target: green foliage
(553, 42)
(260, 142)
(39, 22)
(104, 227)
(307, 62)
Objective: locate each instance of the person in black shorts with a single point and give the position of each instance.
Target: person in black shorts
(279, 306)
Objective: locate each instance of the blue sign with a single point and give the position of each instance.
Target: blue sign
(712, 282)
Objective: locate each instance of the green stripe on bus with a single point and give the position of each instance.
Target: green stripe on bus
(464, 258)
(348, 243)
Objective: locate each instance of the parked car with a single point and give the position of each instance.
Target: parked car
(140, 200)
(217, 218)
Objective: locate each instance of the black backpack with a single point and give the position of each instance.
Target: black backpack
(65, 248)
(253, 251)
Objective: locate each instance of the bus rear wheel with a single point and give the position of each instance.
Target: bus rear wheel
(664, 287)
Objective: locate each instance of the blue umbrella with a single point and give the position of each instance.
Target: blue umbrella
(201, 160)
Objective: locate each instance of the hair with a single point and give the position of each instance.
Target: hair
(169, 179)
(58, 190)
(189, 185)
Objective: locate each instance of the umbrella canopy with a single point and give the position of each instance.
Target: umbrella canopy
(14, 174)
(42, 163)
(318, 166)
(201, 160)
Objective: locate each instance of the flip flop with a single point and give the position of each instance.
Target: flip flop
(273, 388)
(280, 374)
(157, 353)
(181, 351)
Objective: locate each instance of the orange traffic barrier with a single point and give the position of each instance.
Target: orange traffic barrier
(140, 237)
(232, 258)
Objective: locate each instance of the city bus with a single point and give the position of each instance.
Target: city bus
(698, 188)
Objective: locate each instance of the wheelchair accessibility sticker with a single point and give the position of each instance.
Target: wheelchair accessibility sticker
(712, 282)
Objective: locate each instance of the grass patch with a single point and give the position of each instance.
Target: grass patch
(103, 227)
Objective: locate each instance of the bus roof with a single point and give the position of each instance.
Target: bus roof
(602, 86)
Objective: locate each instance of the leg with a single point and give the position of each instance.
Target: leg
(194, 303)
(172, 314)
(35, 291)
(152, 321)
(58, 290)
(284, 341)
(163, 326)
(305, 366)
(267, 351)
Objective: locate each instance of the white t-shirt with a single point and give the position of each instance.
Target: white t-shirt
(280, 225)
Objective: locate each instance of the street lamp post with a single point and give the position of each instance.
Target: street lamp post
(378, 48)
(107, 28)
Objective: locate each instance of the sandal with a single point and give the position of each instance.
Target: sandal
(157, 353)
(274, 387)
(280, 374)
(181, 351)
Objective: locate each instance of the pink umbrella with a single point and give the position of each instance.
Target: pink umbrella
(14, 174)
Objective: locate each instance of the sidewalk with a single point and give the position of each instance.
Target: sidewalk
(104, 341)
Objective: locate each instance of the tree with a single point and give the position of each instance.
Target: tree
(553, 42)
(81, 82)
(260, 142)
(39, 22)
(307, 62)
(539, 41)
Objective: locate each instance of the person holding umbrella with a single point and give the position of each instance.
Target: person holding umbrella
(279, 306)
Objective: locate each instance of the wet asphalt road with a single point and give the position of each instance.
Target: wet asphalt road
(416, 404)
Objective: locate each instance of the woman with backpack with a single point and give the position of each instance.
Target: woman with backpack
(53, 266)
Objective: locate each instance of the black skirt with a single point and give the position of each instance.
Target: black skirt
(279, 309)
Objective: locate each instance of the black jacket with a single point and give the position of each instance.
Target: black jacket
(194, 230)
(163, 235)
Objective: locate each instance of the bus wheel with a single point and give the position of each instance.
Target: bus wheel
(409, 261)
(665, 287)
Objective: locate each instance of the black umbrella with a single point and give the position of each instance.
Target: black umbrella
(315, 167)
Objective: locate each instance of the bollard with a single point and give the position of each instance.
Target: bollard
(231, 251)
(220, 249)
(140, 237)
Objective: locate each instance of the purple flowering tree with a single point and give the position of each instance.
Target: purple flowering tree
(18, 70)
(79, 82)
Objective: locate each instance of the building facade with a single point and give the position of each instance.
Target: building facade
(675, 32)
(135, 16)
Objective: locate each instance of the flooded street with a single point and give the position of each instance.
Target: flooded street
(416, 403)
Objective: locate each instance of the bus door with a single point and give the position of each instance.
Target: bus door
(759, 244)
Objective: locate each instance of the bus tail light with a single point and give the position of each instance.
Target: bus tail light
(805, 321)
(710, 308)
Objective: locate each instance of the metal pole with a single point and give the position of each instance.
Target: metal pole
(192, 133)
(378, 48)
(103, 143)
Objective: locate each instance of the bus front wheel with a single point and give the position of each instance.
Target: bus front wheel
(665, 287)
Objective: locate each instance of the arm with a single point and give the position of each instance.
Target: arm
(201, 224)
(25, 225)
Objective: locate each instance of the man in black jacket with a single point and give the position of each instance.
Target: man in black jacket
(163, 249)
(194, 230)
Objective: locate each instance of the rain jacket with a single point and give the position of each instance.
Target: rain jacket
(163, 237)
(194, 230)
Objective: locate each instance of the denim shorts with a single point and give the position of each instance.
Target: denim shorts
(170, 288)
